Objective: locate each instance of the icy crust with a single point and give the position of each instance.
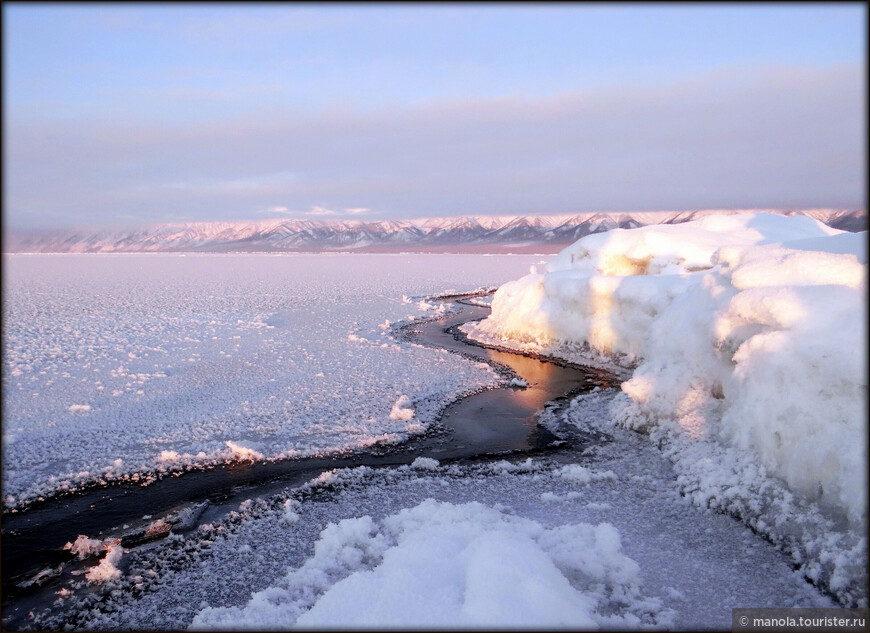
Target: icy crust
(745, 347)
(129, 366)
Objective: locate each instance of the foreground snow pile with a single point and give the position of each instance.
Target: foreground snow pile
(745, 332)
(446, 565)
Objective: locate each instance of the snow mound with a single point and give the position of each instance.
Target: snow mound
(243, 453)
(444, 565)
(744, 332)
(578, 474)
(843, 243)
(676, 248)
(425, 463)
(402, 409)
(291, 511)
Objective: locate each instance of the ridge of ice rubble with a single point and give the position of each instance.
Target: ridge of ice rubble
(444, 565)
(744, 334)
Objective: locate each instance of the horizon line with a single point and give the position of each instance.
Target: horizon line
(337, 219)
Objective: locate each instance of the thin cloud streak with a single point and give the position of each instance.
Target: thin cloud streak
(736, 138)
(314, 211)
(320, 212)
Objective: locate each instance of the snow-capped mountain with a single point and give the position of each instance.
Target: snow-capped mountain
(539, 233)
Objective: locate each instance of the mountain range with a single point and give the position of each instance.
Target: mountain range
(491, 234)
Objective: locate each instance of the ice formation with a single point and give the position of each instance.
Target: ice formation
(746, 331)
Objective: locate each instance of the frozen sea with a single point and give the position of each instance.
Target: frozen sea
(122, 364)
(117, 366)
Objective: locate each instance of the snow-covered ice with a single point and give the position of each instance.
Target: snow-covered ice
(741, 338)
(119, 364)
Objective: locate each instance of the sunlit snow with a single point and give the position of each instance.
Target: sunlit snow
(744, 341)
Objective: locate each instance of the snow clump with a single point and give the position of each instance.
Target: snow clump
(243, 453)
(107, 569)
(402, 409)
(425, 463)
(84, 546)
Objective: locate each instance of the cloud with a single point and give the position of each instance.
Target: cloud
(320, 211)
(737, 138)
(314, 211)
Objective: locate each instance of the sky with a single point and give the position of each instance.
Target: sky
(128, 114)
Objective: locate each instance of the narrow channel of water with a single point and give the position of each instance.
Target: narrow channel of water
(488, 423)
(498, 420)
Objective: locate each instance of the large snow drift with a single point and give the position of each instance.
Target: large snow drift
(743, 331)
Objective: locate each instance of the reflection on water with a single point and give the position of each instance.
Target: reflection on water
(538, 374)
(502, 419)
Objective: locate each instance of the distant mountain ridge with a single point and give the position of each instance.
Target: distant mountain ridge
(495, 234)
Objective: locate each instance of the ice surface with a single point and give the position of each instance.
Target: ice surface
(119, 364)
(612, 531)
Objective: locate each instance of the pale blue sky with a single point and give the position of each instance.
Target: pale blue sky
(132, 113)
